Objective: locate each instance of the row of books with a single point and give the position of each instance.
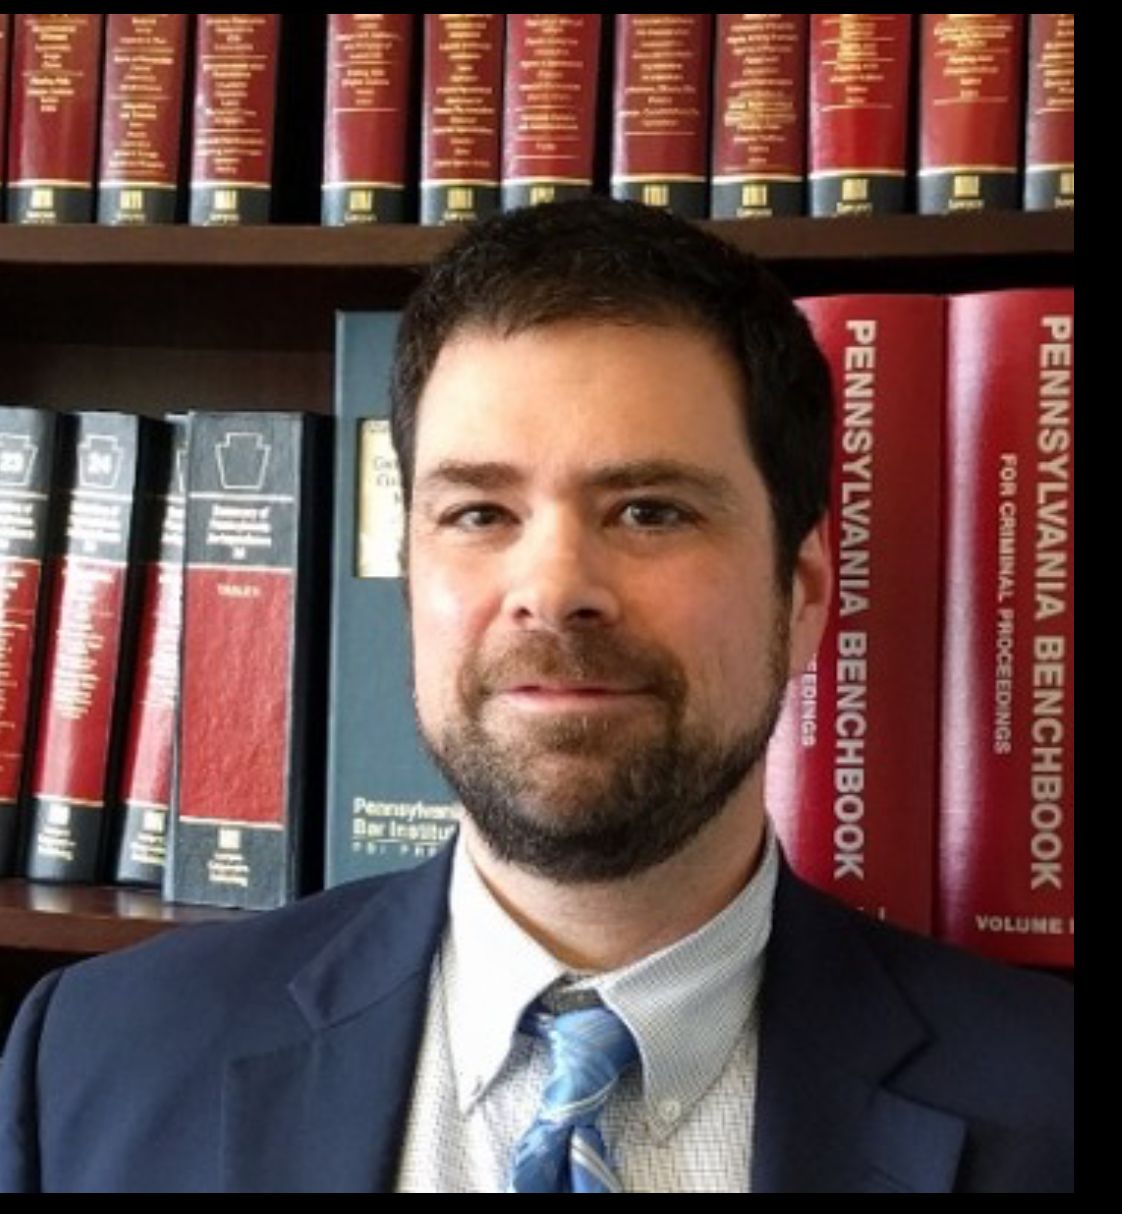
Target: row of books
(443, 118)
(158, 637)
(922, 769)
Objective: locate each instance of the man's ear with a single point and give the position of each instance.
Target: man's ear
(811, 590)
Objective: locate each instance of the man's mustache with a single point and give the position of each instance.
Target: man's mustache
(592, 659)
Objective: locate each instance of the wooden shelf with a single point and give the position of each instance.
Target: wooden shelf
(88, 919)
(89, 248)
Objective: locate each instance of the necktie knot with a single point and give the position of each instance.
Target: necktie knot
(563, 1150)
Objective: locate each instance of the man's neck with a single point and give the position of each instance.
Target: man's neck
(604, 926)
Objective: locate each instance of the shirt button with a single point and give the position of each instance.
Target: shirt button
(669, 1111)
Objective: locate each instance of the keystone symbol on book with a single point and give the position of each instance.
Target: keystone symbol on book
(100, 461)
(242, 461)
(17, 459)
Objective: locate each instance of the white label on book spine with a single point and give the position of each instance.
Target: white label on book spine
(381, 510)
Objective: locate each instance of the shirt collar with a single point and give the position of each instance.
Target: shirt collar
(711, 976)
(479, 932)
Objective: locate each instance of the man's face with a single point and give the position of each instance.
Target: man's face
(600, 646)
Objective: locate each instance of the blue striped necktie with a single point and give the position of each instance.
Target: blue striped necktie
(563, 1151)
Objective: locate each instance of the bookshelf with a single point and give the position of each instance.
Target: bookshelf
(151, 319)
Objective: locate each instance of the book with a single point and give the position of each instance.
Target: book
(660, 115)
(971, 76)
(143, 802)
(1007, 802)
(1050, 113)
(860, 110)
(551, 83)
(27, 471)
(90, 641)
(234, 103)
(387, 805)
(244, 827)
(461, 116)
(52, 122)
(852, 770)
(142, 118)
(367, 118)
(759, 116)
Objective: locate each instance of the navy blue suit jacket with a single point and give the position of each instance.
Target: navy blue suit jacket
(276, 1054)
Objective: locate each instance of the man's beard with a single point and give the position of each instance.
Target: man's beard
(648, 788)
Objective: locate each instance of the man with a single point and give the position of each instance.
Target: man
(614, 434)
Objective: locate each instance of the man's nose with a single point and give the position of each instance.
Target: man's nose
(560, 577)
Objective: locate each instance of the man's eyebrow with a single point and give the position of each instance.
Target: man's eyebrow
(464, 474)
(487, 476)
(666, 473)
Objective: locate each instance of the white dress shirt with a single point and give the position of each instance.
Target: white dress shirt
(681, 1121)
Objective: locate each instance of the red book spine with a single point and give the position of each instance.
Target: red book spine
(660, 119)
(56, 60)
(1006, 816)
(1050, 113)
(860, 84)
(235, 103)
(27, 465)
(851, 774)
(366, 118)
(970, 111)
(144, 799)
(551, 83)
(759, 115)
(141, 117)
(239, 823)
(461, 117)
(5, 52)
(89, 648)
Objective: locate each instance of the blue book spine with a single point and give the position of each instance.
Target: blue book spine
(387, 805)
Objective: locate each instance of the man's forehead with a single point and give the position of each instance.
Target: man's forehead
(582, 399)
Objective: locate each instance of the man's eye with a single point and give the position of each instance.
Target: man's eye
(475, 517)
(650, 514)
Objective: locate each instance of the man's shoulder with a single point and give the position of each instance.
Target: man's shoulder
(950, 981)
(104, 1051)
(204, 966)
(983, 1015)
(937, 975)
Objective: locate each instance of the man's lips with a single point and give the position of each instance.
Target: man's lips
(561, 696)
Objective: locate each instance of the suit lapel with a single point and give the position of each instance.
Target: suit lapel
(833, 1029)
(326, 1114)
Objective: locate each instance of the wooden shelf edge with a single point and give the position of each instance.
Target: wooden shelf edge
(410, 246)
(89, 919)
